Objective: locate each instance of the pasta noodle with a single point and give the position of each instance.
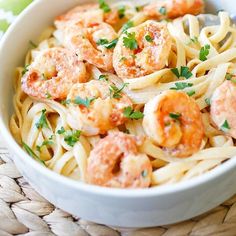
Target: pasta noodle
(189, 35)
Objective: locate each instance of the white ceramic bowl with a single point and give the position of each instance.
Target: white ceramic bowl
(116, 207)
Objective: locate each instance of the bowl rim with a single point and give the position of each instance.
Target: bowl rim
(93, 189)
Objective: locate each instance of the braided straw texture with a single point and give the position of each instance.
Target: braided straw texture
(25, 212)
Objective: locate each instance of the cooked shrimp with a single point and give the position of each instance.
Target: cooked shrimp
(88, 43)
(116, 162)
(102, 113)
(53, 73)
(223, 108)
(89, 14)
(173, 120)
(164, 9)
(151, 44)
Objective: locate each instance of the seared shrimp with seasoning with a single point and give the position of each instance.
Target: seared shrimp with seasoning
(89, 13)
(142, 50)
(116, 162)
(96, 107)
(223, 108)
(94, 43)
(53, 73)
(171, 9)
(173, 121)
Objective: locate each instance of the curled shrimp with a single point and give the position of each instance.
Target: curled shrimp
(88, 13)
(153, 44)
(223, 108)
(173, 120)
(102, 112)
(116, 162)
(88, 43)
(53, 73)
(164, 9)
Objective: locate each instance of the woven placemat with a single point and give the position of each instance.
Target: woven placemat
(24, 212)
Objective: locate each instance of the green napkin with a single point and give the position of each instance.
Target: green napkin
(9, 9)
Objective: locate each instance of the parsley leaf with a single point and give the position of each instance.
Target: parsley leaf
(144, 173)
(130, 113)
(48, 95)
(181, 85)
(103, 77)
(127, 25)
(32, 44)
(191, 93)
(25, 70)
(66, 102)
(204, 52)
(163, 11)
(208, 101)
(102, 41)
(104, 6)
(107, 44)
(61, 131)
(148, 38)
(116, 92)
(225, 127)
(130, 42)
(228, 76)
(194, 39)
(42, 121)
(32, 153)
(44, 143)
(184, 72)
(84, 102)
(121, 12)
(72, 137)
(175, 116)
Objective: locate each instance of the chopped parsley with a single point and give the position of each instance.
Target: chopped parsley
(44, 143)
(204, 52)
(121, 12)
(225, 126)
(66, 102)
(104, 6)
(163, 11)
(127, 25)
(123, 59)
(144, 173)
(208, 101)
(131, 114)
(130, 42)
(61, 131)
(175, 116)
(228, 76)
(71, 137)
(181, 85)
(102, 41)
(116, 92)
(84, 102)
(148, 38)
(194, 39)
(191, 93)
(48, 95)
(184, 72)
(42, 123)
(32, 44)
(25, 70)
(138, 8)
(103, 77)
(32, 153)
(107, 44)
